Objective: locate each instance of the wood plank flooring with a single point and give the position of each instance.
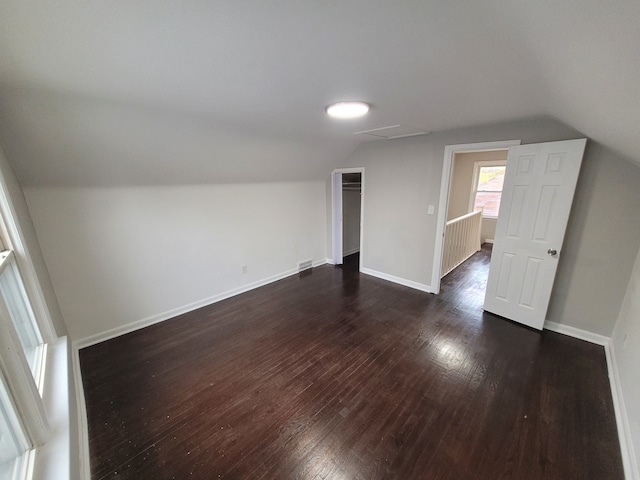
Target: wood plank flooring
(337, 375)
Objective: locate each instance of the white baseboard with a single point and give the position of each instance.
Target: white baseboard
(577, 333)
(350, 252)
(629, 461)
(161, 317)
(488, 240)
(392, 278)
(329, 261)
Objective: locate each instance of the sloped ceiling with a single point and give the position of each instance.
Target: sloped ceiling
(126, 92)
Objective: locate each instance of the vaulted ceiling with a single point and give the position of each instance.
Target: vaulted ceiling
(124, 92)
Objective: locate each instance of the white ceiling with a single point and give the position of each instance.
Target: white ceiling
(153, 91)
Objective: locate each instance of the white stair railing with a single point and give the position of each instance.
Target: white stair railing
(461, 240)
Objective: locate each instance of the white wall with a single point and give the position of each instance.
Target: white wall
(350, 222)
(73, 140)
(627, 357)
(403, 177)
(488, 229)
(602, 240)
(460, 188)
(122, 255)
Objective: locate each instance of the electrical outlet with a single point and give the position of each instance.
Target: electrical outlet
(430, 209)
(244, 269)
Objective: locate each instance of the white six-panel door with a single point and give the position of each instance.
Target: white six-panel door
(536, 199)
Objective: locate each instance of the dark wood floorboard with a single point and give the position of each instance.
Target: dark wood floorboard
(338, 375)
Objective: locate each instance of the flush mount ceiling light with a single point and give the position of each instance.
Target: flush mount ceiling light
(347, 109)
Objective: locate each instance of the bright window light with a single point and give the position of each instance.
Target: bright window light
(487, 191)
(348, 109)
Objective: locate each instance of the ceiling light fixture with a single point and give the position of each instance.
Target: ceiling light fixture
(348, 109)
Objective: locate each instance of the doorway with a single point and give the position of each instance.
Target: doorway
(347, 237)
(351, 217)
(445, 190)
(536, 202)
(473, 204)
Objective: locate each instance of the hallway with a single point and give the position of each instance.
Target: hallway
(465, 286)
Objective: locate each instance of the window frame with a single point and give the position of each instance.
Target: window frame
(477, 165)
(22, 463)
(24, 391)
(12, 238)
(25, 400)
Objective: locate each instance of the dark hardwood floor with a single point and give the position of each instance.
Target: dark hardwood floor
(337, 375)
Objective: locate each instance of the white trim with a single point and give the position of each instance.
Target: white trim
(488, 240)
(83, 458)
(629, 461)
(25, 264)
(401, 281)
(161, 317)
(29, 464)
(52, 460)
(329, 261)
(22, 388)
(336, 218)
(349, 170)
(351, 251)
(576, 333)
(8, 260)
(362, 185)
(21, 442)
(445, 184)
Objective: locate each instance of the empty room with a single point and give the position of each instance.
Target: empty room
(293, 240)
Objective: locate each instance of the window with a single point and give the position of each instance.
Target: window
(13, 443)
(23, 350)
(15, 299)
(487, 187)
(23, 423)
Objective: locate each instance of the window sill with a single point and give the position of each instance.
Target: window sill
(51, 460)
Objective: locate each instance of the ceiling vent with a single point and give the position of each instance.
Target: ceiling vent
(392, 131)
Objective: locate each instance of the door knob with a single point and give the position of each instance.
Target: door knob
(552, 252)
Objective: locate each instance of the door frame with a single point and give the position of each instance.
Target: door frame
(443, 204)
(336, 214)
